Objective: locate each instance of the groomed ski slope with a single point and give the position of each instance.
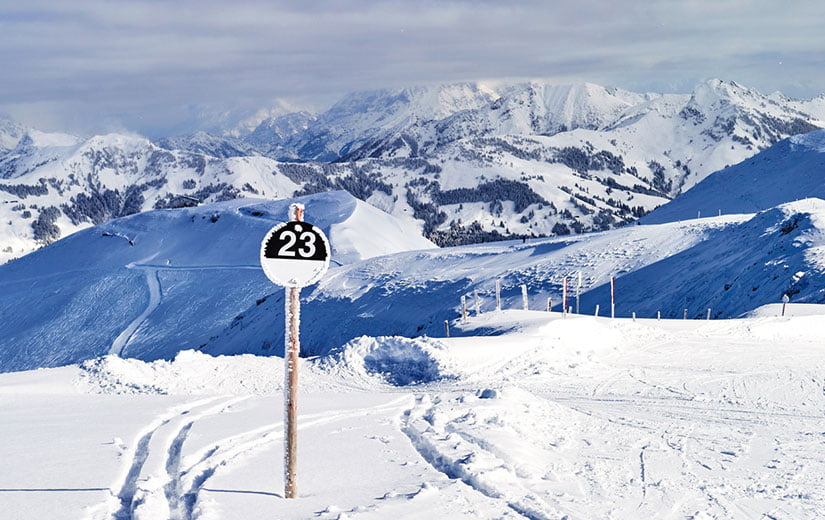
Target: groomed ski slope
(576, 417)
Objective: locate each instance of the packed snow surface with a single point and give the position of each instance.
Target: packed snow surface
(561, 417)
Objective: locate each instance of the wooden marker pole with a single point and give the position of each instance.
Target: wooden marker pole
(292, 351)
(293, 254)
(498, 295)
(463, 309)
(477, 302)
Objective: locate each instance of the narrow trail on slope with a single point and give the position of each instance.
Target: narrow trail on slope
(155, 297)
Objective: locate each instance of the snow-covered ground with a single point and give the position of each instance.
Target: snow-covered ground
(576, 417)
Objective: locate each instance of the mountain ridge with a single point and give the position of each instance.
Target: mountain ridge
(468, 162)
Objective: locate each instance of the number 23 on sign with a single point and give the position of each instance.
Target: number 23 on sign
(295, 254)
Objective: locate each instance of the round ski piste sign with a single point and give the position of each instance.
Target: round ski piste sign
(295, 254)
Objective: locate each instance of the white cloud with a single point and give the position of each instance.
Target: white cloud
(143, 62)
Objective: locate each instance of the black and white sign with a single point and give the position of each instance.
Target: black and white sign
(295, 254)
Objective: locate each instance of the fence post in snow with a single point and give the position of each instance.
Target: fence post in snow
(564, 297)
(634, 316)
(498, 295)
(658, 315)
(578, 291)
(785, 300)
(684, 317)
(477, 302)
(447, 328)
(524, 296)
(612, 296)
(708, 313)
(597, 311)
(464, 309)
(549, 304)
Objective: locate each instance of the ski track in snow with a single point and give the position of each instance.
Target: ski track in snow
(171, 491)
(128, 489)
(155, 297)
(671, 455)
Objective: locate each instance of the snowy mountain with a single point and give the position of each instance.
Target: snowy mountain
(52, 185)
(591, 157)
(148, 284)
(152, 284)
(468, 162)
(10, 134)
(686, 137)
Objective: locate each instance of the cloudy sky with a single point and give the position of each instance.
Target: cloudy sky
(149, 65)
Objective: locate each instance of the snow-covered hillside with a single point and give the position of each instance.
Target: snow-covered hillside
(730, 265)
(149, 284)
(192, 278)
(792, 169)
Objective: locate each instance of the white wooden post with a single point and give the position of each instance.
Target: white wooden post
(447, 328)
(708, 313)
(498, 295)
(597, 311)
(634, 316)
(463, 309)
(477, 302)
(549, 304)
(658, 315)
(524, 296)
(684, 317)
